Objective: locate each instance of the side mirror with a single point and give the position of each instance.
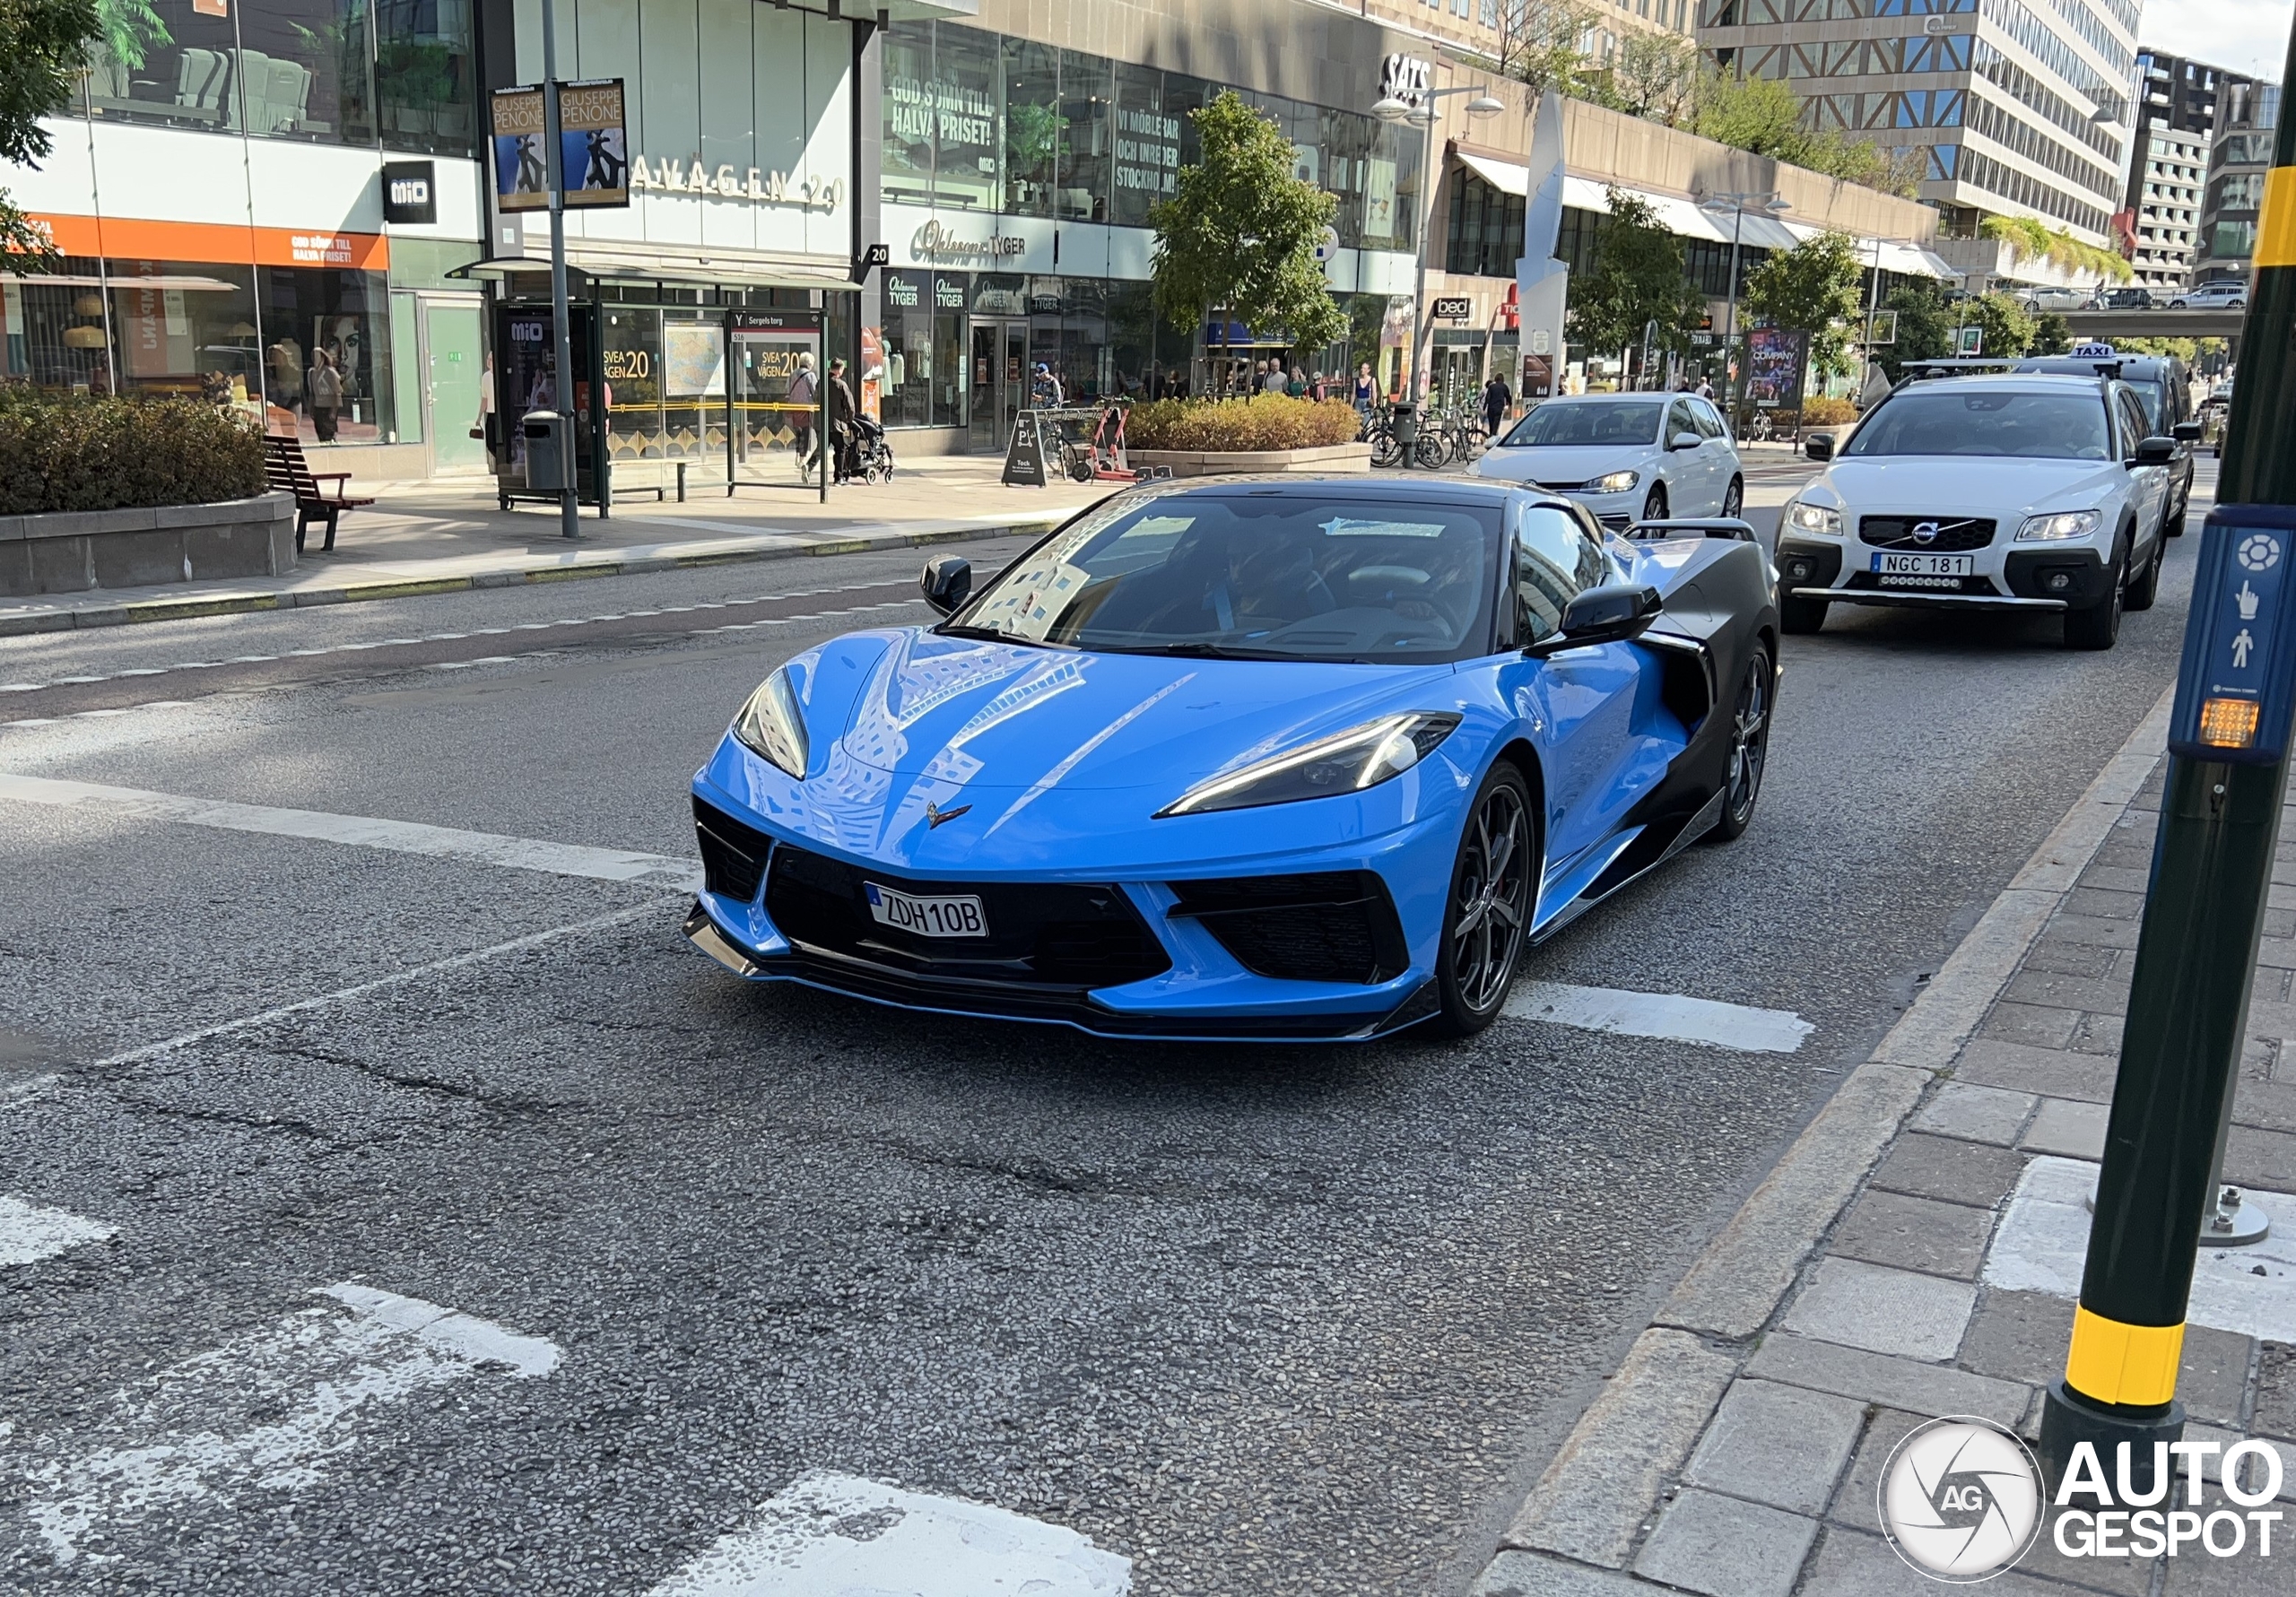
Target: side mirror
(1684, 440)
(947, 582)
(2154, 451)
(2187, 432)
(1817, 445)
(1611, 613)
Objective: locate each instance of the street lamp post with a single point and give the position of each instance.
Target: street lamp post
(1418, 110)
(1736, 205)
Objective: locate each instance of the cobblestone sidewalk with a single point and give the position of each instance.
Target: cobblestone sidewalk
(1915, 1254)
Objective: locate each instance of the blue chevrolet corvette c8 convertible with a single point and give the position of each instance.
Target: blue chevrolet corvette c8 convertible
(1291, 759)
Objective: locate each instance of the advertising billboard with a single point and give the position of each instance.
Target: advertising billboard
(594, 146)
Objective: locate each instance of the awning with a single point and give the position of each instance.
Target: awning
(1505, 176)
(1676, 214)
(666, 269)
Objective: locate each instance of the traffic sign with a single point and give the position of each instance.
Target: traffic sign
(2236, 691)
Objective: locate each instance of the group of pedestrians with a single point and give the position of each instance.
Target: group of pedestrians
(844, 438)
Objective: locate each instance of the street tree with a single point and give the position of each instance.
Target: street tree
(2052, 334)
(2007, 330)
(1241, 232)
(1652, 75)
(1764, 115)
(1925, 328)
(1637, 281)
(43, 46)
(1542, 43)
(1813, 288)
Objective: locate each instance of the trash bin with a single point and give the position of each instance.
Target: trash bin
(545, 450)
(1405, 425)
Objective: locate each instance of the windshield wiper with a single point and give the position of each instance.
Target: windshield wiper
(1203, 651)
(986, 634)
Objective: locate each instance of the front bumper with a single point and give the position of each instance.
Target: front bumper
(1195, 958)
(2043, 579)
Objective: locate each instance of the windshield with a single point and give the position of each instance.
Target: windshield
(1279, 577)
(2033, 426)
(1559, 422)
(2152, 391)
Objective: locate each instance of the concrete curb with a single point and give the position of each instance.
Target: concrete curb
(354, 592)
(1603, 1485)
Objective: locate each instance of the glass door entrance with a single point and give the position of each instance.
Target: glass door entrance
(1000, 383)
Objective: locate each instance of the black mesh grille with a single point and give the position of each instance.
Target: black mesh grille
(733, 855)
(1056, 934)
(1948, 533)
(1331, 927)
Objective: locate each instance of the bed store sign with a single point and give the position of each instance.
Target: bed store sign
(724, 183)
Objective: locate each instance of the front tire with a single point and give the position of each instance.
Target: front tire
(1734, 500)
(2099, 626)
(1802, 617)
(1488, 913)
(1654, 509)
(2145, 587)
(1749, 749)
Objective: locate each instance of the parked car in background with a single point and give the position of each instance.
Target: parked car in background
(2133, 297)
(2212, 296)
(1626, 457)
(2054, 299)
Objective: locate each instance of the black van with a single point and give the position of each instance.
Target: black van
(2163, 383)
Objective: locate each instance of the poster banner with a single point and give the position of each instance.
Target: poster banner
(594, 146)
(1775, 358)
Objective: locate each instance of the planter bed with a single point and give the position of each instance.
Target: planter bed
(72, 551)
(1204, 463)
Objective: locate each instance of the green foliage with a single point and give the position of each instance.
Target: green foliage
(1814, 288)
(2008, 330)
(1924, 329)
(1654, 75)
(1638, 278)
(2187, 350)
(73, 452)
(2031, 240)
(1241, 232)
(1764, 116)
(43, 45)
(1262, 421)
(131, 30)
(2052, 334)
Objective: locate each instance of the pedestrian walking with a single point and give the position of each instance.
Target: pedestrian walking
(1296, 387)
(1498, 398)
(1366, 390)
(1273, 383)
(1705, 389)
(805, 394)
(326, 389)
(841, 411)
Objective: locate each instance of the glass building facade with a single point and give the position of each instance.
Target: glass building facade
(1998, 98)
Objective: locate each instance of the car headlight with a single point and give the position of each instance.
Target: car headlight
(1613, 482)
(1362, 756)
(771, 725)
(2059, 525)
(1802, 516)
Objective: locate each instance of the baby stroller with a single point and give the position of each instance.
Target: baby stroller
(873, 456)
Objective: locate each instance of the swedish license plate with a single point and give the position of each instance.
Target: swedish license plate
(953, 916)
(1886, 566)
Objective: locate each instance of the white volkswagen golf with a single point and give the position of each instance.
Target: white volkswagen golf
(1626, 457)
(2019, 492)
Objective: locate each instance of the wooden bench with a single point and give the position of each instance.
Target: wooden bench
(285, 470)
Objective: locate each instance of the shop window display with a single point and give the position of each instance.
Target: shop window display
(289, 69)
(325, 354)
(1035, 129)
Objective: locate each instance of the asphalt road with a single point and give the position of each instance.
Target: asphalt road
(1302, 1320)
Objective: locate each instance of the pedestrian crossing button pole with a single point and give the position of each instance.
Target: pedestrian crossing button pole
(2158, 1192)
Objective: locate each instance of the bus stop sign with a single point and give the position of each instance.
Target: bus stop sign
(2236, 691)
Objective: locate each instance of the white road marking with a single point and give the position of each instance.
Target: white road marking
(837, 1536)
(363, 831)
(268, 1410)
(2042, 1245)
(1661, 1015)
(382, 984)
(28, 1234)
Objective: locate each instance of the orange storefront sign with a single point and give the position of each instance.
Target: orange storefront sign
(125, 236)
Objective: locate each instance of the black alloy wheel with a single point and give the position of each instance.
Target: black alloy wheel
(1749, 750)
(1734, 498)
(1493, 892)
(1654, 509)
(2098, 627)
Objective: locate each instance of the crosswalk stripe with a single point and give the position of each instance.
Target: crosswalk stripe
(29, 1233)
(1666, 1015)
(401, 837)
(272, 1408)
(838, 1536)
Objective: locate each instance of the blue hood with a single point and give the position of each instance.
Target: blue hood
(983, 714)
(1055, 760)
